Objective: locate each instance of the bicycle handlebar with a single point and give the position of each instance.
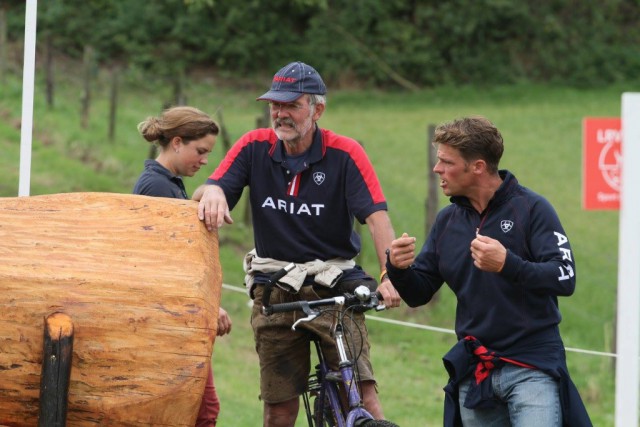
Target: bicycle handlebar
(268, 287)
(301, 305)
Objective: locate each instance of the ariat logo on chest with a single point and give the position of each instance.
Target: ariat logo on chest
(293, 208)
(506, 225)
(318, 177)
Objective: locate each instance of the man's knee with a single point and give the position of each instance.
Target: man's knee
(281, 414)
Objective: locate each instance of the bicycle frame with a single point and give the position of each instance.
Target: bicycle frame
(329, 389)
(327, 382)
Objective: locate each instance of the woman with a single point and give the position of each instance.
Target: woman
(185, 136)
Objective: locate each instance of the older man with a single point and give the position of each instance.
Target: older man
(308, 185)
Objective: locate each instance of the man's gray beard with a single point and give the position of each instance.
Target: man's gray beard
(293, 142)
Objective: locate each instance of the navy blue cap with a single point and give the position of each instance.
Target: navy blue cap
(292, 81)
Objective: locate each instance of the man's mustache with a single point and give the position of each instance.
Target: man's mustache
(285, 121)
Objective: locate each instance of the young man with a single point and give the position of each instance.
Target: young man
(308, 185)
(502, 250)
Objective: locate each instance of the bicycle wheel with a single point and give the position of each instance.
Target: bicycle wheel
(375, 423)
(322, 413)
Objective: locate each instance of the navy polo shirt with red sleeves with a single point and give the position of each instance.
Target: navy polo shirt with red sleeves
(307, 214)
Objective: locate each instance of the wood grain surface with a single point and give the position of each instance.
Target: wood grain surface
(140, 278)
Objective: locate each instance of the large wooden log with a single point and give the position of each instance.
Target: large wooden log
(140, 278)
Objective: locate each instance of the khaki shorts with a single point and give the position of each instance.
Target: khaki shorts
(285, 354)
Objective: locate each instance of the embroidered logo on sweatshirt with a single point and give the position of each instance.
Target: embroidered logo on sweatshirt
(506, 225)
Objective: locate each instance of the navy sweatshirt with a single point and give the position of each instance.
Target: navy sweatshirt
(517, 305)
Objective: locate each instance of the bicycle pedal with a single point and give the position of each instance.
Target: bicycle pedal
(333, 376)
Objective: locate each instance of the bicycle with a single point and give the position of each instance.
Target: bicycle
(327, 409)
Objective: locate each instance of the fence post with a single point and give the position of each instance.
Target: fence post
(224, 133)
(431, 203)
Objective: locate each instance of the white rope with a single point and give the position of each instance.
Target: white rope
(436, 329)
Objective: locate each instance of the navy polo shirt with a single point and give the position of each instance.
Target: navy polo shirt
(307, 214)
(158, 181)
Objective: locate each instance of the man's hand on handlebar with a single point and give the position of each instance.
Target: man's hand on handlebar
(390, 296)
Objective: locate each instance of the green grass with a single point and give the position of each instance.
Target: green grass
(542, 130)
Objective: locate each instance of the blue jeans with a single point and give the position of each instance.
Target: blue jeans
(529, 397)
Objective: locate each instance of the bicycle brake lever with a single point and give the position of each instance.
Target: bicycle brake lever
(309, 318)
(376, 303)
(311, 314)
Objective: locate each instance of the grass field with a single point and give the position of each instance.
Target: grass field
(541, 126)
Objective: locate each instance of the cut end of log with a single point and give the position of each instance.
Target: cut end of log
(59, 325)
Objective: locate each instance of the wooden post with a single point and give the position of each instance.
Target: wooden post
(48, 66)
(431, 203)
(113, 103)
(224, 133)
(179, 95)
(56, 370)
(85, 100)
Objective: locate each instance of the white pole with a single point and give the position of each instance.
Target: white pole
(27, 97)
(628, 335)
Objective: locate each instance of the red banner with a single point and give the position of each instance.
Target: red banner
(601, 162)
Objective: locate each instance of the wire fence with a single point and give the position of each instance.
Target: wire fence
(436, 329)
